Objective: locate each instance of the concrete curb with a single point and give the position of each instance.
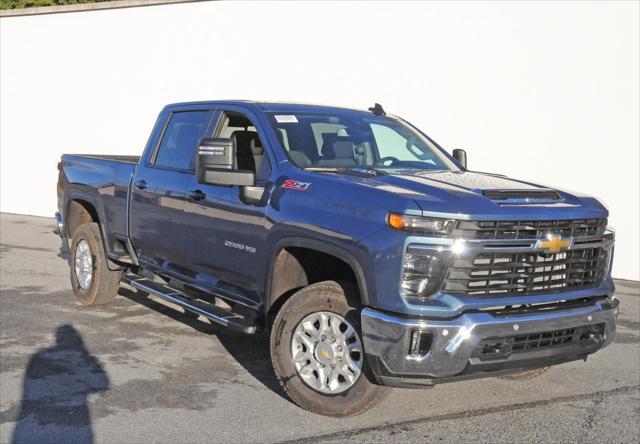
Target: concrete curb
(87, 7)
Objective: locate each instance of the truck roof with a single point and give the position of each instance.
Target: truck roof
(269, 106)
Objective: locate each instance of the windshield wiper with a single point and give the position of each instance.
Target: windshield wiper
(354, 171)
(325, 169)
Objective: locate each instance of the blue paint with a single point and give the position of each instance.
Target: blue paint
(344, 211)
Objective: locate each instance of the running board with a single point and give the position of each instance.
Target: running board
(219, 315)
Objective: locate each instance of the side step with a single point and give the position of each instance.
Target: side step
(216, 314)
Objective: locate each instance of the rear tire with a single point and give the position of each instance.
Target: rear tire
(328, 298)
(524, 376)
(92, 281)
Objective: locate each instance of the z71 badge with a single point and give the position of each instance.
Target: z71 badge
(295, 185)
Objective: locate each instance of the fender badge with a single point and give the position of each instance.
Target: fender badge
(295, 185)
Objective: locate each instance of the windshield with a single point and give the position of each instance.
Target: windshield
(354, 139)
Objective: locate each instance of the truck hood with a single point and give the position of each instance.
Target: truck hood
(476, 195)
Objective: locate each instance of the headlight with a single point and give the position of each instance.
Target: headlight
(424, 271)
(420, 224)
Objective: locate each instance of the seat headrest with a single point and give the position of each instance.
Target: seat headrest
(327, 144)
(343, 149)
(244, 138)
(335, 146)
(248, 139)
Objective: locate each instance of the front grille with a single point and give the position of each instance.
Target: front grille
(487, 229)
(495, 274)
(495, 348)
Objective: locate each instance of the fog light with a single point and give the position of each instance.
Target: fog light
(420, 343)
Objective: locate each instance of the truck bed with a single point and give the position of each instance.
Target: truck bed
(106, 178)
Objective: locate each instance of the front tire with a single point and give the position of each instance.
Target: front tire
(92, 281)
(322, 367)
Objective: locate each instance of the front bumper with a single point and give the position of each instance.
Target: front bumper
(453, 353)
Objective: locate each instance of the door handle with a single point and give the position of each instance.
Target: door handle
(140, 184)
(196, 195)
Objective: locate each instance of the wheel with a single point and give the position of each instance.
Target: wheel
(524, 376)
(92, 281)
(317, 353)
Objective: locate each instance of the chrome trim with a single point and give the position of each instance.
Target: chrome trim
(327, 357)
(177, 298)
(388, 337)
(526, 201)
(59, 230)
(605, 239)
(473, 247)
(83, 264)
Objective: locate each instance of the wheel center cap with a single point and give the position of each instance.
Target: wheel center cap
(324, 353)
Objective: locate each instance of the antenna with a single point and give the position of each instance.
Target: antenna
(378, 110)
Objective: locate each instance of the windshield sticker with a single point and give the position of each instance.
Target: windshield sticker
(286, 119)
(295, 185)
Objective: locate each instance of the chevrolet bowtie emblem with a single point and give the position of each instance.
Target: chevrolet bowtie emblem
(554, 243)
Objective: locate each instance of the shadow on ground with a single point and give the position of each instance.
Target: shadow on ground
(250, 351)
(56, 386)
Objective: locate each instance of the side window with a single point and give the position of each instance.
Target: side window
(250, 152)
(180, 138)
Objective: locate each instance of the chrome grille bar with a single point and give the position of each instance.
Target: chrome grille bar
(515, 266)
(475, 229)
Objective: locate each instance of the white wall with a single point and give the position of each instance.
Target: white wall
(542, 91)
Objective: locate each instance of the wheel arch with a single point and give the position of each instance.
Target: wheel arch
(286, 274)
(82, 205)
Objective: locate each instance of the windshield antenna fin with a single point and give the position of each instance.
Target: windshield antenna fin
(378, 110)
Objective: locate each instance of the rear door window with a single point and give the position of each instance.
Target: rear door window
(180, 138)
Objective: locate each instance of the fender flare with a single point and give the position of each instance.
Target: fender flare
(323, 247)
(91, 196)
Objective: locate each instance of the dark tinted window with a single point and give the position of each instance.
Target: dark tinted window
(180, 138)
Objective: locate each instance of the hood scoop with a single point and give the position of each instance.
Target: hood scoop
(522, 196)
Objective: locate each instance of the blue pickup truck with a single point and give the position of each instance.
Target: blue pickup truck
(371, 256)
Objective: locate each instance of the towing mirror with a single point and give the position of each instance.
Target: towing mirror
(216, 164)
(461, 157)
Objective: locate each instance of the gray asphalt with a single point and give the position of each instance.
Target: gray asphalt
(136, 371)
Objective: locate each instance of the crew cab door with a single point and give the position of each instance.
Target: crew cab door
(159, 187)
(225, 232)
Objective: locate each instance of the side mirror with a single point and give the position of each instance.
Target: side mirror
(461, 157)
(216, 164)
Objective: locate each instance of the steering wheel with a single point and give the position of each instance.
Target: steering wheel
(381, 162)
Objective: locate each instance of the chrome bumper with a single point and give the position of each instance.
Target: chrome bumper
(387, 341)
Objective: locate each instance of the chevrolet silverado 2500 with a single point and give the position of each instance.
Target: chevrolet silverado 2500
(372, 257)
